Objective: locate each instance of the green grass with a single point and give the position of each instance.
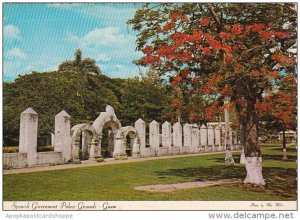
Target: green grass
(117, 182)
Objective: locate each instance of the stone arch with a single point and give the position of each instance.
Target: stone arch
(121, 143)
(91, 143)
(108, 117)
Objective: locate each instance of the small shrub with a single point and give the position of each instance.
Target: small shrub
(45, 148)
(11, 149)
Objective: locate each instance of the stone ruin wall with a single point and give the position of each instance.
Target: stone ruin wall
(162, 140)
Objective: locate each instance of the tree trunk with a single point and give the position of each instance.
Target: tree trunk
(228, 156)
(252, 152)
(284, 145)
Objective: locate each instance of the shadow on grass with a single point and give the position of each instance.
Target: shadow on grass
(279, 157)
(289, 149)
(222, 160)
(280, 181)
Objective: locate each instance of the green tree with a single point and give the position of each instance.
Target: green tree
(145, 98)
(50, 92)
(85, 66)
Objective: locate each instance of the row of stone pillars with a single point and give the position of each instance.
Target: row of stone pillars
(187, 139)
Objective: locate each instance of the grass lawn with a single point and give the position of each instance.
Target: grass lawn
(117, 182)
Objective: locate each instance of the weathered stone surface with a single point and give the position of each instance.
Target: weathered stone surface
(136, 148)
(177, 135)
(210, 135)
(187, 138)
(195, 138)
(218, 138)
(62, 139)
(50, 158)
(120, 147)
(166, 135)
(140, 126)
(14, 160)
(203, 132)
(28, 135)
(87, 136)
(154, 134)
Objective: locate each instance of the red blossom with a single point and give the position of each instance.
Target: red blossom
(195, 80)
(228, 49)
(254, 73)
(168, 27)
(204, 22)
(176, 16)
(225, 35)
(147, 49)
(159, 29)
(282, 35)
(163, 51)
(283, 59)
(197, 35)
(265, 35)
(151, 59)
(255, 27)
(176, 81)
(226, 91)
(185, 72)
(206, 50)
(216, 44)
(208, 37)
(179, 36)
(274, 74)
(237, 29)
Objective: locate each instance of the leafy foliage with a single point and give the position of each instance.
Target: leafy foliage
(82, 94)
(219, 51)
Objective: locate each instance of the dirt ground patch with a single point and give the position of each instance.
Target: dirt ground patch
(187, 185)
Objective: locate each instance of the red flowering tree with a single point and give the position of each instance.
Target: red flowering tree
(279, 106)
(221, 50)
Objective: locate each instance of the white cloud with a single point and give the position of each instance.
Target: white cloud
(11, 32)
(102, 58)
(16, 53)
(99, 37)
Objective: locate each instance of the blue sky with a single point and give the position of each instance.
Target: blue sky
(38, 37)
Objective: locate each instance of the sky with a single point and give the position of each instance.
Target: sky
(38, 37)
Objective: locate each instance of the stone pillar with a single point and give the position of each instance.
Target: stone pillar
(223, 138)
(166, 135)
(140, 126)
(230, 138)
(195, 138)
(154, 136)
(187, 138)
(92, 155)
(63, 137)
(120, 147)
(52, 139)
(203, 132)
(75, 153)
(218, 138)
(177, 138)
(210, 137)
(227, 127)
(95, 151)
(28, 135)
(136, 148)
